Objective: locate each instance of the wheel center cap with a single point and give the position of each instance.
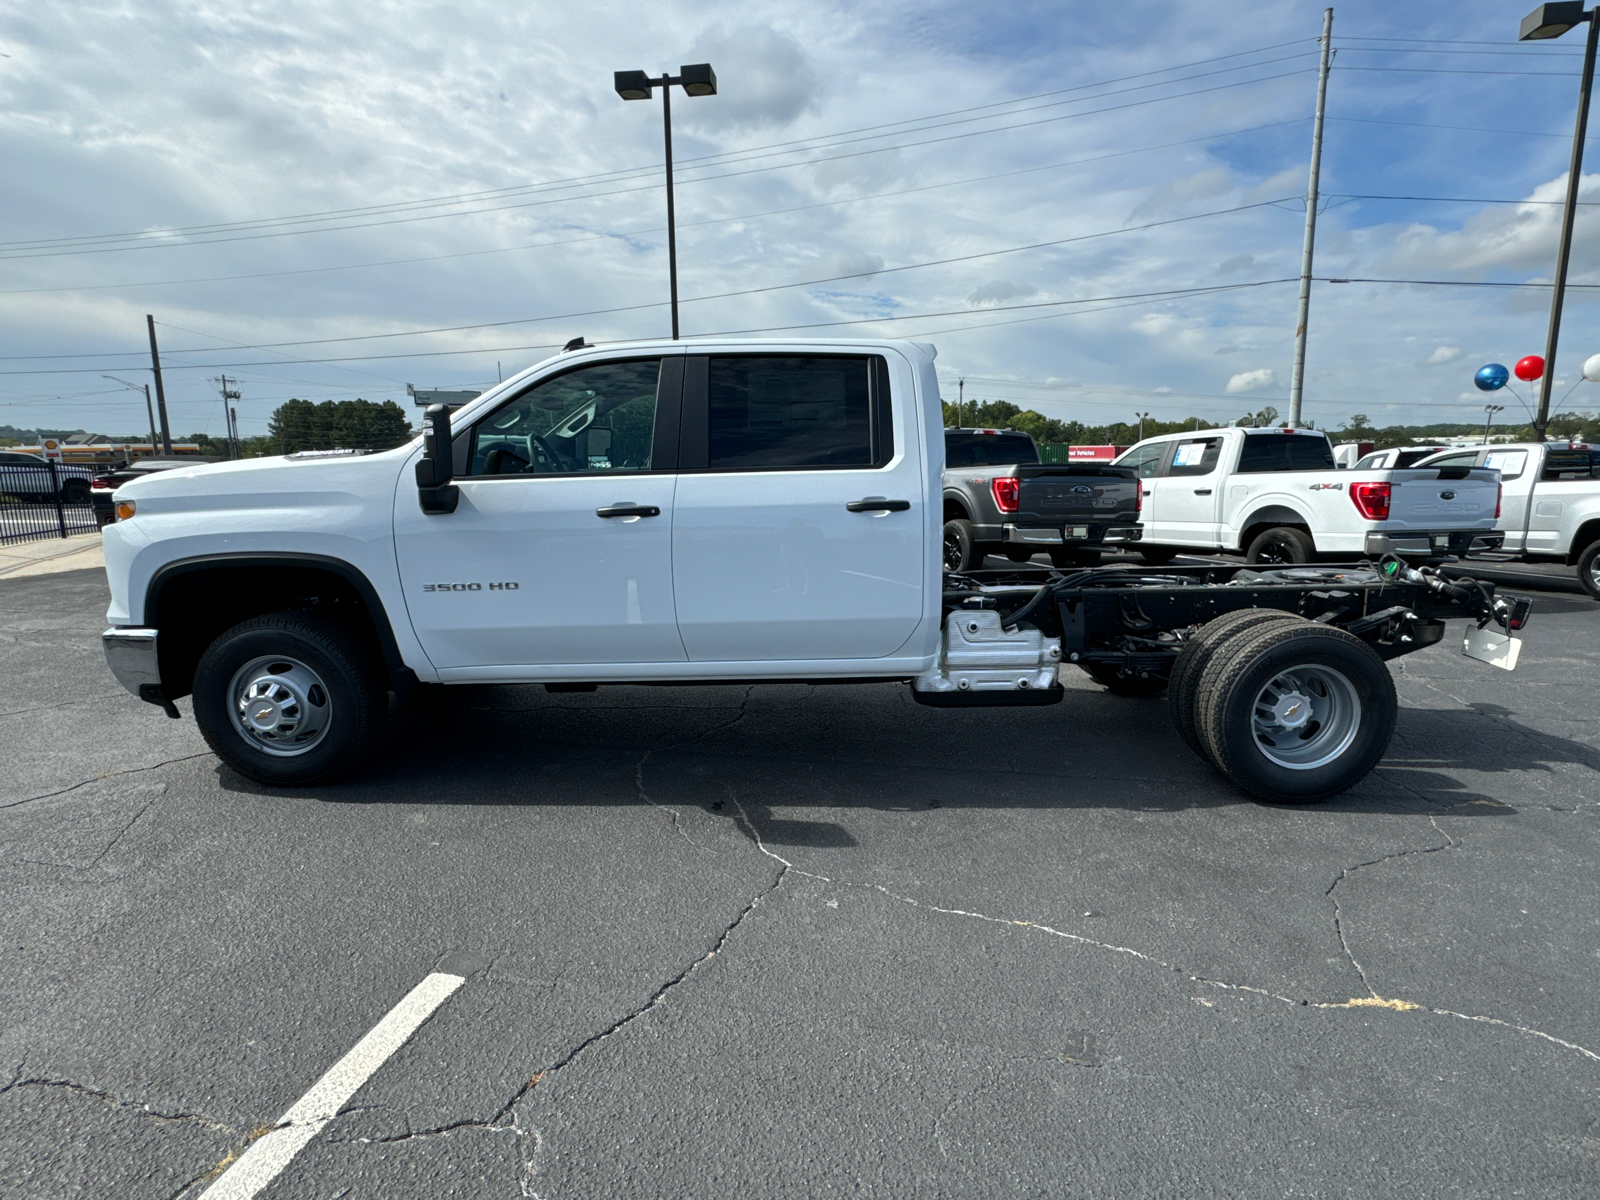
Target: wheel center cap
(1292, 711)
(263, 715)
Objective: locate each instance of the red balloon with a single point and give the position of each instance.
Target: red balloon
(1530, 368)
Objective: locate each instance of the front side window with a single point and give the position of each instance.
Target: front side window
(1197, 456)
(776, 413)
(594, 419)
(1455, 460)
(1146, 460)
(1285, 452)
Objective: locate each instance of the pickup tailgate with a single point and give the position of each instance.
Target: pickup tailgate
(1440, 498)
(1076, 493)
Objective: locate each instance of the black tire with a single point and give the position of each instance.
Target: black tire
(1197, 652)
(1281, 546)
(75, 491)
(351, 710)
(1068, 558)
(960, 553)
(1345, 728)
(1158, 556)
(1134, 686)
(1589, 570)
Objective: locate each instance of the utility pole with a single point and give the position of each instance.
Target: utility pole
(228, 419)
(151, 413)
(161, 394)
(961, 395)
(1297, 383)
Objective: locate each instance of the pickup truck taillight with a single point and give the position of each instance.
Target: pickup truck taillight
(1499, 495)
(102, 484)
(1372, 499)
(1006, 490)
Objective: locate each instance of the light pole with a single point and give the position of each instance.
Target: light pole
(1545, 22)
(1489, 411)
(1141, 417)
(149, 412)
(696, 80)
(961, 395)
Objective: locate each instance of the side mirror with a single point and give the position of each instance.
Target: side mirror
(436, 467)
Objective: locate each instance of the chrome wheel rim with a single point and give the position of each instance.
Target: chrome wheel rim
(280, 706)
(1305, 717)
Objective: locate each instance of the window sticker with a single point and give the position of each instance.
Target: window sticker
(1189, 454)
(1508, 462)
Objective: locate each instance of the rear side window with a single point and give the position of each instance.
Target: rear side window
(1369, 461)
(1285, 452)
(1510, 463)
(804, 411)
(988, 449)
(1197, 456)
(1562, 465)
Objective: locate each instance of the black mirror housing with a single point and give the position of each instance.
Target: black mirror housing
(436, 467)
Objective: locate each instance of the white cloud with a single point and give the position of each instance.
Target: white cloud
(1517, 237)
(1252, 381)
(1176, 193)
(1237, 263)
(1444, 354)
(764, 80)
(999, 292)
(1291, 181)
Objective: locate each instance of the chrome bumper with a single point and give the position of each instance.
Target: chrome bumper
(1458, 542)
(1058, 535)
(131, 655)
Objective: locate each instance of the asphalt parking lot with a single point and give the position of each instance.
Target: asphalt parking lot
(794, 942)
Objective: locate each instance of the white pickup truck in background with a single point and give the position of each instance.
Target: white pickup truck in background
(1276, 496)
(1550, 510)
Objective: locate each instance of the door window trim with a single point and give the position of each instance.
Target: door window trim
(664, 435)
(694, 438)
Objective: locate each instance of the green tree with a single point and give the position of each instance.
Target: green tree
(336, 425)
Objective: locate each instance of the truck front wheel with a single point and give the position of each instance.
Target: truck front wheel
(1296, 713)
(289, 699)
(1589, 569)
(960, 554)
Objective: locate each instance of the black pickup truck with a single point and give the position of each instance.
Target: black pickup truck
(999, 499)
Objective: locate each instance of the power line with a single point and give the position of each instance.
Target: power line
(614, 234)
(777, 287)
(622, 174)
(1456, 128)
(1457, 199)
(157, 245)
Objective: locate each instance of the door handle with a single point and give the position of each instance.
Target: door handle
(878, 504)
(1202, 491)
(628, 510)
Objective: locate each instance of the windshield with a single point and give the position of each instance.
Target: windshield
(988, 449)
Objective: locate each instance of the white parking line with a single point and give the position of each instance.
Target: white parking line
(271, 1152)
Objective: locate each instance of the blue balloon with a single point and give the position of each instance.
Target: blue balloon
(1491, 378)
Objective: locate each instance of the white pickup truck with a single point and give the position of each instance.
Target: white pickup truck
(1550, 511)
(1276, 496)
(690, 511)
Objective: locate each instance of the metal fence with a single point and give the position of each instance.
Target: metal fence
(44, 500)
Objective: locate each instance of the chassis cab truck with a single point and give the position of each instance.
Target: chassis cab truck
(696, 511)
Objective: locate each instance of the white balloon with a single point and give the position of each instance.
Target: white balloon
(1591, 368)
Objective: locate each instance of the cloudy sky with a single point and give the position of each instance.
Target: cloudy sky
(1089, 208)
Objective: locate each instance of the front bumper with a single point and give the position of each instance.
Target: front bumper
(131, 654)
(1437, 544)
(1070, 535)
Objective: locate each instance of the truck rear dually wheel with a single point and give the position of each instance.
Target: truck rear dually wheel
(1198, 651)
(289, 699)
(1295, 713)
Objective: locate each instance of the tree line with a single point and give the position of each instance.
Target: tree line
(1001, 414)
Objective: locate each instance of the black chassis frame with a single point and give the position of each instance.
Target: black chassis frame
(1138, 619)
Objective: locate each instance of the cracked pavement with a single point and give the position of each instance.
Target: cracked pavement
(803, 941)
